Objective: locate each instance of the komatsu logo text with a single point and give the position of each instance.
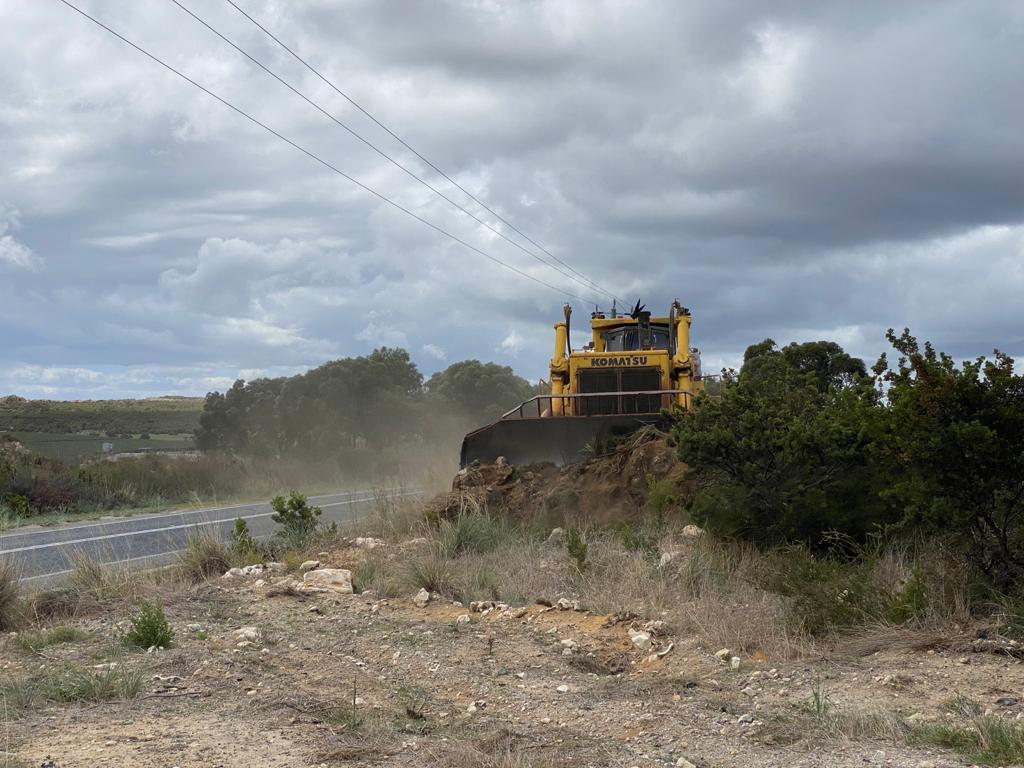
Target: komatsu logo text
(618, 362)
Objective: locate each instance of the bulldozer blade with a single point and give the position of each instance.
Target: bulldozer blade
(559, 440)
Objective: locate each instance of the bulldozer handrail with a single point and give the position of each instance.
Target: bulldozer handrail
(582, 395)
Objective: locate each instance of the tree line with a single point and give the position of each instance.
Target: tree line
(375, 402)
(807, 445)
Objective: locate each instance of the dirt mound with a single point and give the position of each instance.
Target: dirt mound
(611, 487)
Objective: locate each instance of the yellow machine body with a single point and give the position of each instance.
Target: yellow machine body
(632, 370)
(626, 354)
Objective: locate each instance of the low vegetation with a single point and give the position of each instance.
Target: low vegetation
(149, 628)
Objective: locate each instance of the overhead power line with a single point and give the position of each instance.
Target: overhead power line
(316, 157)
(412, 174)
(402, 141)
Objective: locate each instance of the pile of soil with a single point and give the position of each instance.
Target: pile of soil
(611, 487)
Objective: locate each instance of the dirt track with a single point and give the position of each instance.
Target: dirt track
(430, 690)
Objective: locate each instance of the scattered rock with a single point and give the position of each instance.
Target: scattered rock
(640, 640)
(666, 558)
(247, 634)
(330, 579)
(309, 565)
(463, 618)
(422, 598)
(745, 719)
(734, 662)
(232, 573)
(368, 542)
(557, 537)
(723, 655)
(562, 689)
(682, 762)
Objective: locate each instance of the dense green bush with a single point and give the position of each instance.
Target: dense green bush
(150, 628)
(782, 456)
(298, 520)
(802, 443)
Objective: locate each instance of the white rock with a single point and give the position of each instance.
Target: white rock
(557, 537)
(368, 542)
(693, 531)
(682, 762)
(231, 573)
(422, 598)
(745, 719)
(463, 618)
(332, 579)
(247, 634)
(640, 640)
(666, 558)
(734, 662)
(568, 643)
(562, 689)
(309, 565)
(723, 655)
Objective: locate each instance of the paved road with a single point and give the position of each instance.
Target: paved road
(40, 554)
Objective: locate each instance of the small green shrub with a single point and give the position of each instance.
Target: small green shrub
(661, 498)
(639, 538)
(912, 601)
(243, 545)
(577, 548)
(825, 593)
(150, 628)
(298, 520)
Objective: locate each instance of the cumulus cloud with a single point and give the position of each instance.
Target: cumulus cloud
(434, 351)
(786, 170)
(511, 344)
(13, 253)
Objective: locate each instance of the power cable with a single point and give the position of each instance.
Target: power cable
(402, 141)
(316, 157)
(382, 153)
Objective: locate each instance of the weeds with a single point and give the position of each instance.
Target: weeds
(244, 550)
(36, 641)
(577, 548)
(11, 606)
(68, 684)
(205, 555)
(473, 533)
(149, 628)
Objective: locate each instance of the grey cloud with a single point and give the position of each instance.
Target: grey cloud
(787, 169)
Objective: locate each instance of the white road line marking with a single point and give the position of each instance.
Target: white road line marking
(126, 534)
(120, 519)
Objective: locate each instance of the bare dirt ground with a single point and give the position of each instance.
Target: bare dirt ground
(353, 680)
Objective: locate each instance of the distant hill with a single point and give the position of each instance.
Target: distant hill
(171, 415)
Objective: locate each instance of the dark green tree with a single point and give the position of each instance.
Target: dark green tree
(952, 444)
(481, 392)
(782, 455)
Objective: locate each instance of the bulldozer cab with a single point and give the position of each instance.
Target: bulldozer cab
(632, 371)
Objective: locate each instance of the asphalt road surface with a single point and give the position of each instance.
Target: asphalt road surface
(41, 554)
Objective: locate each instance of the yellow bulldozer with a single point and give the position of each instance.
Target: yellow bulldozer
(633, 369)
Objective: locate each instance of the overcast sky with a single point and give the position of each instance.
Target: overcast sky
(787, 169)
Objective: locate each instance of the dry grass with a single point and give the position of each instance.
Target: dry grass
(92, 588)
(206, 554)
(12, 609)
